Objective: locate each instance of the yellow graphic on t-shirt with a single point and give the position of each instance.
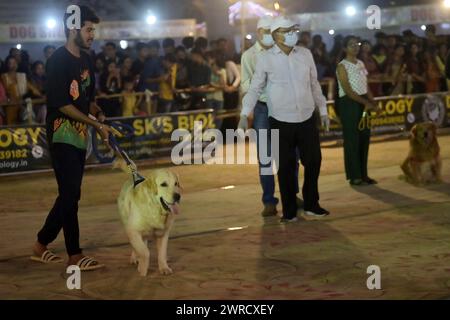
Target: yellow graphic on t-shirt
(70, 132)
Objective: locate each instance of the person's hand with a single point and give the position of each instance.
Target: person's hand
(243, 123)
(104, 131)
(369, 106)
(101, 117)
(325, 122)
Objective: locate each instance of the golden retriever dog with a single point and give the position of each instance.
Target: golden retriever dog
(423, 164)
(149, 210)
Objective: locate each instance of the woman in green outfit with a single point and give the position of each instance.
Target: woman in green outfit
(354, 100)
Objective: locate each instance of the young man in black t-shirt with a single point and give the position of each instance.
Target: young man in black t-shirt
(70, 98)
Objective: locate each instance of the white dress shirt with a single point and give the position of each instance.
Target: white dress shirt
(293, 90)
(248, 65)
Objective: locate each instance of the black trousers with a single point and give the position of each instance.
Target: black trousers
(68, 165)
(305, 137)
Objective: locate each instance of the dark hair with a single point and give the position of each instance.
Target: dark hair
(87, 14)
(111, 44)
(154, 44)
(7, 61)
(180, 48)
(35, 64)
(377, 48)
(140, 46)
(201, 43)
(188, 42)
(128, 79)
(170, 57)
(168, 42)
(49, 47)
(347, 40)
(11, 51)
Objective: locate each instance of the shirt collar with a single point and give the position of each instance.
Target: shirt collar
(276, 49)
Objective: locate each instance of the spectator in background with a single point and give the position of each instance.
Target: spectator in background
(213, 45)
(365, 55)
(432, 72)
(125, 69)
(214, 99)
(130, 102)
(182, 68)
(441, 58)
(222, 46)
(168, 45)
(199, 76)
(188, 43)
(336, 53)
(201, 45)
(415, 70)
(380, 39)
(48, 51)
(142, 56)
(111, 53)
(231, 91)
(317, 43)
(16, 86)
(305, 39)
(3, 99)
(379, 54)
(110, 83)
(99, 68)
(39, 81)
(447, 71)
(391, 45)
(396, 71)
(150, 76)
(431, 39)
(321, 61)
(167, 84)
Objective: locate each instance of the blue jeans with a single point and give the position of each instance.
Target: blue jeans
(261, 121)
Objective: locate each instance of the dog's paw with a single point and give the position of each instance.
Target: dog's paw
(142, 271)
(165, 270)
(133, 259)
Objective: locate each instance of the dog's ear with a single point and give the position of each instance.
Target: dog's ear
(150, 183)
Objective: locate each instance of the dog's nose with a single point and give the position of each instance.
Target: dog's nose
(177, 197)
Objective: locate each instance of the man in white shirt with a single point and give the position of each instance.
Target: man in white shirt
(289, 75)
(260, 114)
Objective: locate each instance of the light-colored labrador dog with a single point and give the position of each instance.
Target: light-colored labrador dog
(149, 210)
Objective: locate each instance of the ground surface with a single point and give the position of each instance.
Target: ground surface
(403, 229)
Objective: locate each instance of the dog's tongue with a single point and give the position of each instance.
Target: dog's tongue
(174, 208)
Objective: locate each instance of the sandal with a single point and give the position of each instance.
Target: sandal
(47, 257)
(89, 264)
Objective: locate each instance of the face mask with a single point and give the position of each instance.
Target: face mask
(290, 39)
(267, 40)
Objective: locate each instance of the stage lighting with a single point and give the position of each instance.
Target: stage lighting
(447, 3)
(19, 46)
(248, 37)
(151, 19)
(423, 27)
(51, 23)
(331, 31)
(350, 11)
(123, 44)
(276, 6)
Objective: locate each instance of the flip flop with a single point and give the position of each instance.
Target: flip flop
(47, 257)
(89, 264)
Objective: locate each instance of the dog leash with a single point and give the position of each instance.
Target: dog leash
(137, 178)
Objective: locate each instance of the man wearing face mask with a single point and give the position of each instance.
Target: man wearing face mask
(289, 75)
(260, 114)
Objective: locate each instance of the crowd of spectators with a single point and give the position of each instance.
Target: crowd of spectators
(199, 73)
